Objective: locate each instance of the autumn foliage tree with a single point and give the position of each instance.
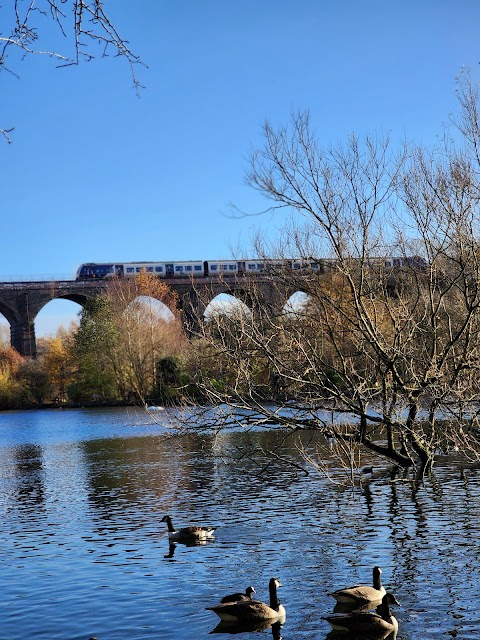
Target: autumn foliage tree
(24, 382)
(56, 354)
(11, 391)
(124, 335)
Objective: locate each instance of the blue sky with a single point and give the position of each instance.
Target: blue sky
(97, 173)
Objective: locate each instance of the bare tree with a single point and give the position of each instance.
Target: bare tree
(143, 334)
(386, 353)
(83, 24)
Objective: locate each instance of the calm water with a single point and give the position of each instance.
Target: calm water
(83, 551)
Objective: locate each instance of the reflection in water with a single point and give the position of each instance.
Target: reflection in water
(333, 635)
(83, 543)
(232, 628)
(140, 469)
(171, 550)
(30, 488)
(187, 543)
(425, 530)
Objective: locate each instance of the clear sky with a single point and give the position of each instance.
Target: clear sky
(97, 173)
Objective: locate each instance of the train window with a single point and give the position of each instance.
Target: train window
(213, 267)
(178, 268)
(251, 267)
(159, 269)
(259, 266)
(138, 269)
(198, 267)
(232, 267)
(130, 270)
(188, 267)
(150, 269)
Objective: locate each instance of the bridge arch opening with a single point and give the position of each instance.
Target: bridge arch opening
(56, 314)
(4, 331)
(296, 303)
(225, 304)
(147, 308)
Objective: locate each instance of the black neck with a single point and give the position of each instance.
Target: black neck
(377, 582)
(385, 611)
(274, 601)
(168, 520)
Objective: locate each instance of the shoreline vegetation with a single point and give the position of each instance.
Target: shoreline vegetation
(92, 404)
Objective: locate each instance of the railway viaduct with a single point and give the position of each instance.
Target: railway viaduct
(20, 302)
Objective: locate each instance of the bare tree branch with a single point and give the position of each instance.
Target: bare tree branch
(82, 23)
(386, 245)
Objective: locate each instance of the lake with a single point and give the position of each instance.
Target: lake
(84, 552)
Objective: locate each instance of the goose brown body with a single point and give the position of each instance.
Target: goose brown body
(187, 533)
(379, 622)
(362, 594)
(239, 597)
(252, 610)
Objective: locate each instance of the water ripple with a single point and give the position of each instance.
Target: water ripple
(84, 551)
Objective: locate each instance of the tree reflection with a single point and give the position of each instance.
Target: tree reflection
(136, 476)
(30, 487)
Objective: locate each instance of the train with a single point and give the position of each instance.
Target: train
(187, 269)
(223, 268)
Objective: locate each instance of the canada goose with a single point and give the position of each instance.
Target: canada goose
(367, 621)
(362, 594)
(239, 597)
(252, 610)
(187, 533)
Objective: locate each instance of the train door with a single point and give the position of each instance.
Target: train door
(169, 270)
(119, 270)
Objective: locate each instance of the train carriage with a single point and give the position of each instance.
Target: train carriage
(225, 268)
(96, 271)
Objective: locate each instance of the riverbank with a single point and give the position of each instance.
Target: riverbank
(98, 404)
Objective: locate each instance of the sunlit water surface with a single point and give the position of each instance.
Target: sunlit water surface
(84, 552)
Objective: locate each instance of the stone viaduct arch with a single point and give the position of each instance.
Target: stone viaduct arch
(20, 302)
